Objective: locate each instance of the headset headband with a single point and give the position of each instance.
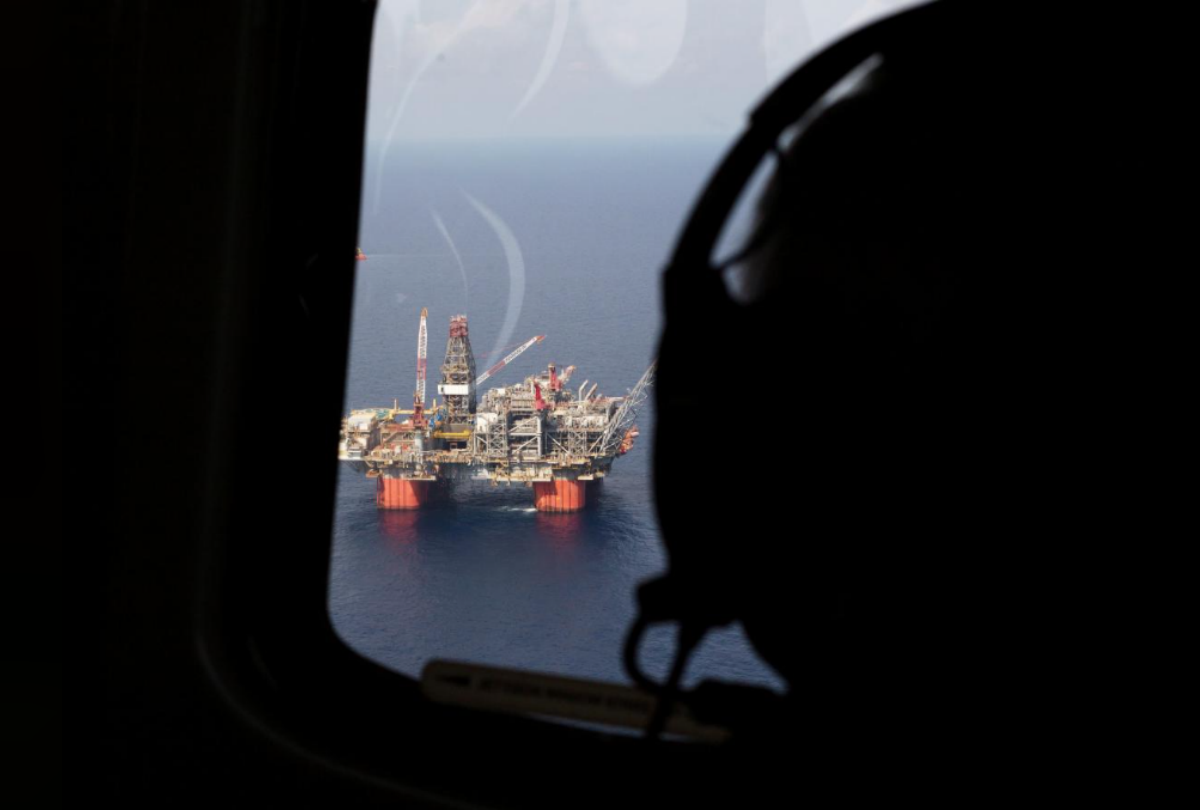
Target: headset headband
(786, 104)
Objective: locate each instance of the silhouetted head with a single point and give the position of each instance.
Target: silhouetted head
(842, 449)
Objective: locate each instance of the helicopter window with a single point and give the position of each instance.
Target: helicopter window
(528, 165)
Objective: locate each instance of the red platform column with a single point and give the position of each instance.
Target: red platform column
(560, 496)
(400, 493)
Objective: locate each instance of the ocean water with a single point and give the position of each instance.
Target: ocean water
(562, 239)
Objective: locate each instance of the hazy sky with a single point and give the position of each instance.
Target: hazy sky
(573, 68)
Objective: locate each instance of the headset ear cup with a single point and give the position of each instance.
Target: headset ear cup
(694, 297)
(694, 339)
(701, 481)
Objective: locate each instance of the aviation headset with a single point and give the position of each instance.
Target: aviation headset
(699, 313)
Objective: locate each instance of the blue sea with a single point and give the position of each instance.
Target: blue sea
(558, 238)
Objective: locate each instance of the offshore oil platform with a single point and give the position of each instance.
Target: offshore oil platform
(539, 433)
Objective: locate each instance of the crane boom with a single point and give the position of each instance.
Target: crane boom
(622, 420)
(512, 356)
(422, 353)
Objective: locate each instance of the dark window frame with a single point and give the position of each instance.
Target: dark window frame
(263, 630)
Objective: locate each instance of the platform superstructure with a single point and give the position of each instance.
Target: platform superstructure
(541, 432)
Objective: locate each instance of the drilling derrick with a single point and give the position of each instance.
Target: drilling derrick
(457, 387)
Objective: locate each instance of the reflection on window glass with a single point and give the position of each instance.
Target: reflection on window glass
(529, 163)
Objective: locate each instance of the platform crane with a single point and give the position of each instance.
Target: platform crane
(512, 356)
(621, 431)
(418, 417)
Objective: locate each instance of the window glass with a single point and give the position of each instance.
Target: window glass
(529, 164)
